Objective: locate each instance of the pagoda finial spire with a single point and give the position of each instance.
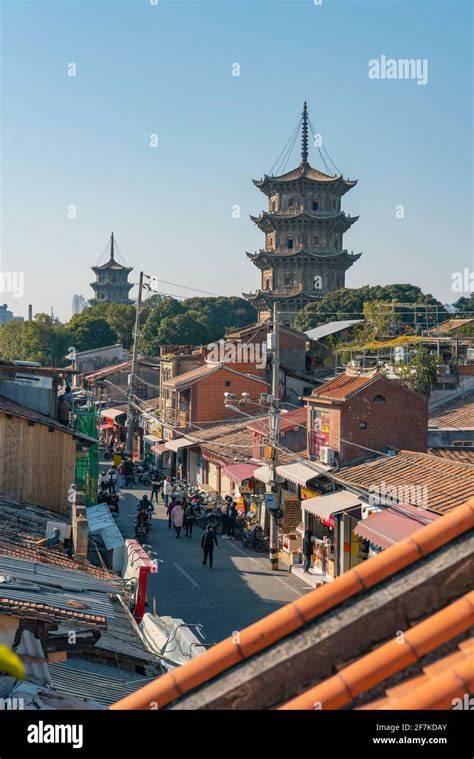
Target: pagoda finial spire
(112, 246)
(304, 134)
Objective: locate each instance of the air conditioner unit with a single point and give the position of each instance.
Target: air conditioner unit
(327, 455)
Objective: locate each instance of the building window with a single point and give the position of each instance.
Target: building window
(379, 399)
(227, 383)
(274, 205)
(315, 205)
(267, 284)
(291, 202)
(463, 443)
(316, 240)
(288, 279)
(289, 243)
(362, 425)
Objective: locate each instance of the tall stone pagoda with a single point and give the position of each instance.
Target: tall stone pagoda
(303, 258)
(111, 284)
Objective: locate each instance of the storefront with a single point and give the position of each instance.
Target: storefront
(386, 527)
(179, 462)
(149, 441)
(331, 519)
(113, 425)
(162, 457)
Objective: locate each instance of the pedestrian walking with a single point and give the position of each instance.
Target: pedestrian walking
(167, 490)
(169, 509)
(224, 510)
(121, 475)
(103, 480)
(231, 520)
(155, 484)
(189, 517)
(208, 541)
(307, 550)
(111, 480)
(177, 515)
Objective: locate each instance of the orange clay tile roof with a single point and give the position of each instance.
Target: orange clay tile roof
(456, 413)
(288, 421)
(451, 324)
(189, 378)
(461, 454)
(394, 656)
(344, 385)
(440, 684)
(423, 480)
(295, 615)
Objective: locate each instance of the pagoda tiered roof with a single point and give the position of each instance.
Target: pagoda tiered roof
(266, 221)
(112, 264)
(263, 255)
(270, 183)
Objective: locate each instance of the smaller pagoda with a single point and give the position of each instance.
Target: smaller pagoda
(111, 284)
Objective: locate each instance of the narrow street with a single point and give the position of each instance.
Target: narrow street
(238, 590)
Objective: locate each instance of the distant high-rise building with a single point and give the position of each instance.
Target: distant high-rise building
(111, 285)
(79, 303)
(7, 316)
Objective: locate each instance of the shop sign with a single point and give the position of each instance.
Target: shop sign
(328, 522)
(167, 434)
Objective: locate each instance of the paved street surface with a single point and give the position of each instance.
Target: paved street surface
(236, 592)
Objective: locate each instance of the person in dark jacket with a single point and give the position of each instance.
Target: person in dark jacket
(307, 550)
(208, 541)
(189, 516)
(231, 520)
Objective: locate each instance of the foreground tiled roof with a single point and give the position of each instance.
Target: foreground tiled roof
(450, 325)
(461, 454)
(457, 413)
(411, 554)
(344, 385)
(427, 481)
(421, 692)
(195, 375)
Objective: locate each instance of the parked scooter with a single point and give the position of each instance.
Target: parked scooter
(253, 537)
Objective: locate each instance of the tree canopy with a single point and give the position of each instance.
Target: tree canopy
(349, 304)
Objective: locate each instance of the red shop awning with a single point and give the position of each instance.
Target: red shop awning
(384, 528)
(105, 427)
(159, 448)
(239, 472)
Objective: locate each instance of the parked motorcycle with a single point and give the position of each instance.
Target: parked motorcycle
(253, 537)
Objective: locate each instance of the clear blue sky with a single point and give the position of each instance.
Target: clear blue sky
(167, 69)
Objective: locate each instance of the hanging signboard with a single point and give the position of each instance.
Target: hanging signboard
(271, 501)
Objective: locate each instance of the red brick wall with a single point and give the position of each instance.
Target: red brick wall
(208, 395)
(401, 422)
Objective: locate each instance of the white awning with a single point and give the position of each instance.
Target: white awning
(264, 474)
(301, 474)
(113, 413)
(324, 506)
(152, 438)
(176, 445)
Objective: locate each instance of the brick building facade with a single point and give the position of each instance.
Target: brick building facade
(358, 411)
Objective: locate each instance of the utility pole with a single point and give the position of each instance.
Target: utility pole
(132, 376)
(274, 424)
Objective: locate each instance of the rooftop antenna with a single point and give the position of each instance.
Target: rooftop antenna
(112, 246)
(304, 135)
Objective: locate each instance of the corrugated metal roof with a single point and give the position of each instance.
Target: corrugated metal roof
(94, 682)
(101, 521)
(331, 328)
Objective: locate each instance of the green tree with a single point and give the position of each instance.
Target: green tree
(181, 329)
(11, 341)
(465, 306)
(349, 304)
(88, 332)
(121, 318)
(421, 372)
